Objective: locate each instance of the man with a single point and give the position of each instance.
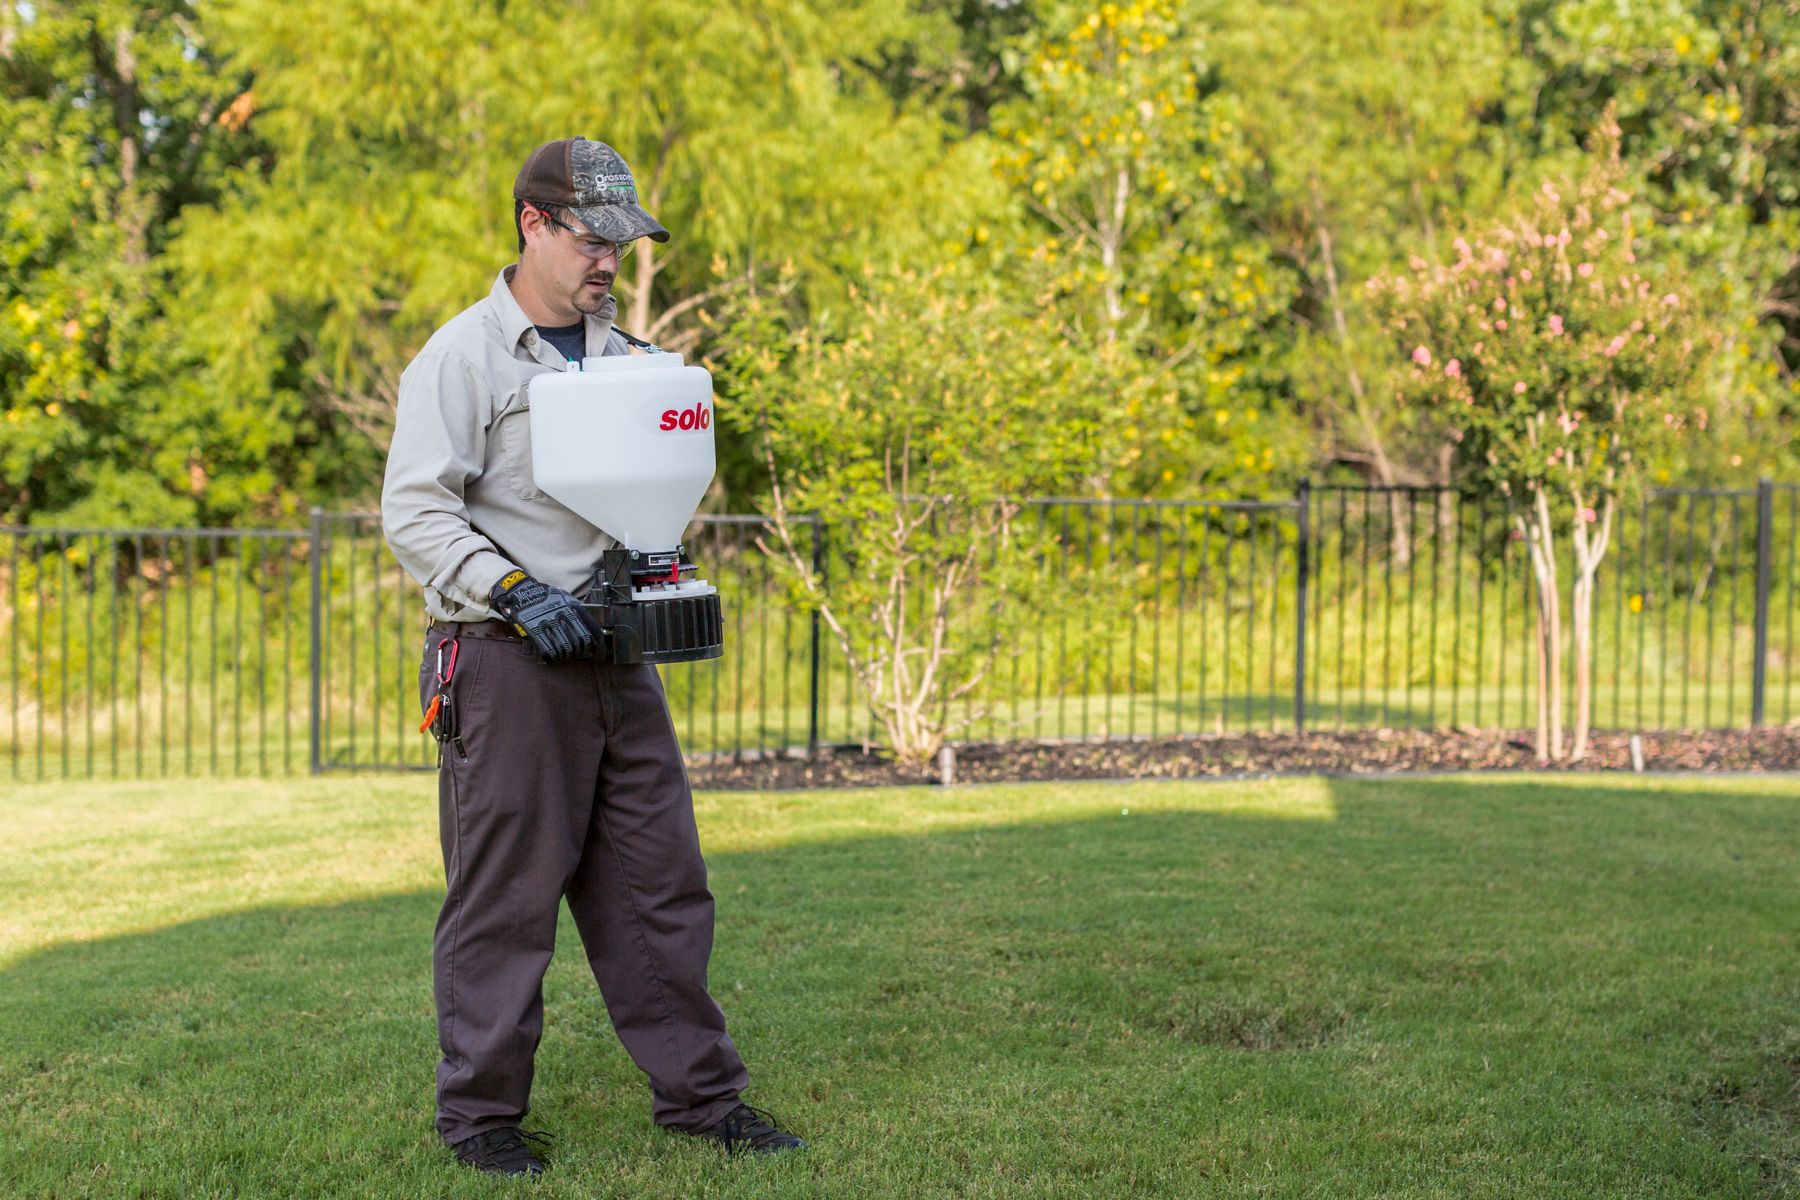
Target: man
(559, 776)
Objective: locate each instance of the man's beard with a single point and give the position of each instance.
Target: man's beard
(588, 299)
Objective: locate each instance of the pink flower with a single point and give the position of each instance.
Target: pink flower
(1556, 327)
(1589, 516)
(1453, 369)
(1525, 275)
(1499, 303)
(1568, 421)
(1500, 324)
(1671, 299)
(1517, 536)
(1613, 347)
(1584, 270)
(1478, 346)
(1422, 356)
(1462, 248)
(1456, 435)
(1519, 388)
(1669, 419)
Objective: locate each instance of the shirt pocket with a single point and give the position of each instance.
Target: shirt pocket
(513, 431)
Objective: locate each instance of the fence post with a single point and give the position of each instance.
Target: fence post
(1304, 498)
(1765, 520)
(316, 654)
(812, 693)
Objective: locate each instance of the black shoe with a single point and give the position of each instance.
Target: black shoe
(752, 1129)
(502, 1151)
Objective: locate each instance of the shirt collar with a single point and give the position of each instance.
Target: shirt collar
(514, 324)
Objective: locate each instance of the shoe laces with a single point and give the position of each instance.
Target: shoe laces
(751, 1126)
(507, 1147)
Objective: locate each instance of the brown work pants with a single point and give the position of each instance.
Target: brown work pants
(568, 783)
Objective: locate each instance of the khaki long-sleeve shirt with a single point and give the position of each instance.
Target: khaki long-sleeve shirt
(460, 504)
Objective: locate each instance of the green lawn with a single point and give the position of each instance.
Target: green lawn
(1503, 987)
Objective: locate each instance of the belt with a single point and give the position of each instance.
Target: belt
(493, 631)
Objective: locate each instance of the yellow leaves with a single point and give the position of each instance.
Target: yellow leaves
(1637, 602)
(1683, 44)
(1221, 415)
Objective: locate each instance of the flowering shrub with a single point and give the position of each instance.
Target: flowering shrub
(1561, 366)
(1552, 355)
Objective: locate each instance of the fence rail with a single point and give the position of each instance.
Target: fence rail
(147, 652)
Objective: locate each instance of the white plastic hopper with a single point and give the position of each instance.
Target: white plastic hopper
(626, 443)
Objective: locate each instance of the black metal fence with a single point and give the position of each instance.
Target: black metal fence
(168, 652)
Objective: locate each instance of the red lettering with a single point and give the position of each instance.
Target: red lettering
(697, 417)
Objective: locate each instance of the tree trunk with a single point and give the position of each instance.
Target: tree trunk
(1588, 555)
(637, 314)
(1583, 618)
(129, 210)
(1539, 538)
(1399, 536)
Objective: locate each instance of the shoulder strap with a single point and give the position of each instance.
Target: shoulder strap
(647, 347)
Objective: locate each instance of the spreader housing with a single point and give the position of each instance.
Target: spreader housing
(626, 442)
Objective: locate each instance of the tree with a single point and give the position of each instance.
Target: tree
(110, 126)
(1707, 97)
(894, 423)
(1369, 117)
(1133, 168)
(1562, 365)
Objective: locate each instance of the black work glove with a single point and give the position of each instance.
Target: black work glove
(554, 620)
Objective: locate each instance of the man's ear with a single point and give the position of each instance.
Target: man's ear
(533, 225)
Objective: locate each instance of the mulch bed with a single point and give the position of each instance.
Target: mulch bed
(1254, 754)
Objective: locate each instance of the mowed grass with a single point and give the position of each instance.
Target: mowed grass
(1489, 987)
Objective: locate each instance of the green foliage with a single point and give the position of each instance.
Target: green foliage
(108, 121)
(1134, 167)
(224, 228)
(1367, 119)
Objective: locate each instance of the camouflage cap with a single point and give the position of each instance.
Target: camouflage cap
(591, 181)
